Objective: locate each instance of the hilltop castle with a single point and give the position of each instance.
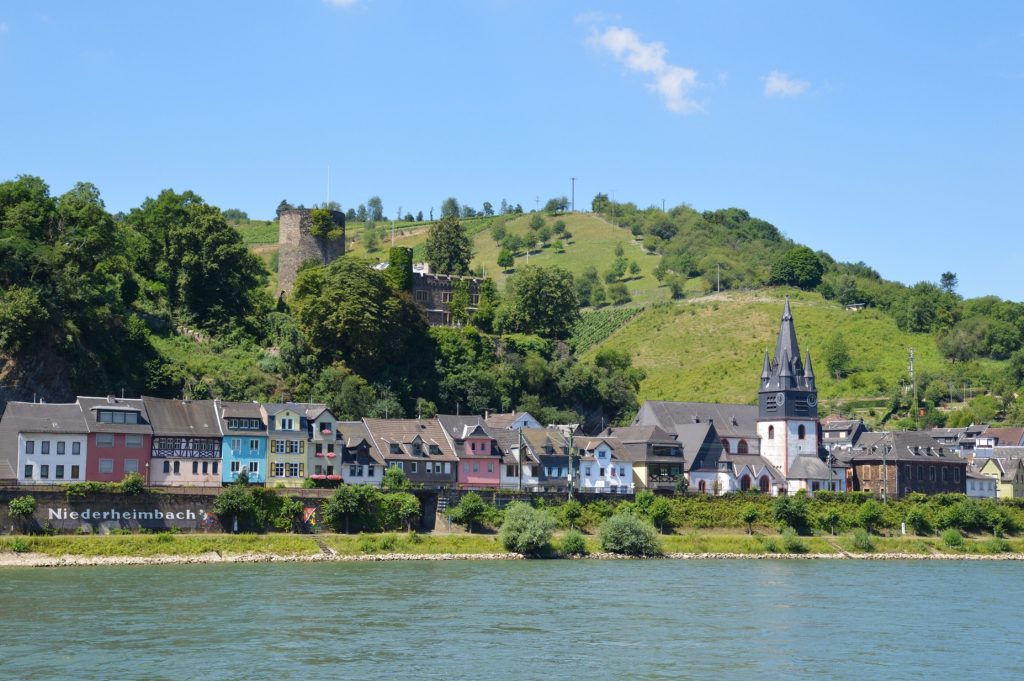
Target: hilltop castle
(298, 245)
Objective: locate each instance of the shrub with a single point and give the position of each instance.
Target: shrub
(953, 539)
(791, 512)
(367, 543)
(627, 534)
(133, 485)
(791, 541)
(749, 515)
(828, 519)
(18, 545)
(870, 515)
(387, 542)
(395, 480)
(996, 545)
(572, 512)
(660, 513)
(574, 543)
(235, 503)
(526, 530)
(964, 514)
(21, 509)
(470, 510)
(918, 521)
(861, 541)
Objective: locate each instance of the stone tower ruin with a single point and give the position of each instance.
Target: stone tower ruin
(297, 245)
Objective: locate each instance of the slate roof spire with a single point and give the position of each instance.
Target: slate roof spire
(786, 344)
(786, 371)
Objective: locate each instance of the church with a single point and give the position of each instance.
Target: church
(774, 448)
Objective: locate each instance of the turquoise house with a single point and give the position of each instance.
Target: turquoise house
(244, 441)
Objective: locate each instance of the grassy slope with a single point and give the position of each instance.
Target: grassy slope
(593, 243)
(711, 349)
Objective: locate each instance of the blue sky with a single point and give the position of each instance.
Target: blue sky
(885, 132)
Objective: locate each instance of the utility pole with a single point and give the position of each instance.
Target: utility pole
(663, 205)
(913, 381)
(536, 203)
(520, 430)
(718, 270)
(573, 194)
(570, 467)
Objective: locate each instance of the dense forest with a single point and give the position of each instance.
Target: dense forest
(168, 300)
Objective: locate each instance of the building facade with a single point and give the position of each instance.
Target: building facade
(186, 443)
(50, 441)
(120, 437)
(244, 441)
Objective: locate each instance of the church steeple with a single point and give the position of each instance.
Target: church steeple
(787, 386)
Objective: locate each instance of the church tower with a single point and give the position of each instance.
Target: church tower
(787, 419)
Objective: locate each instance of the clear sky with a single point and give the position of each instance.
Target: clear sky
(888, 132)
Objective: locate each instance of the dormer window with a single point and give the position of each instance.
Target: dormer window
(287, 423)
(326, 428)
(434, 449)
(394, 448)
(417, 449)
(117, 416)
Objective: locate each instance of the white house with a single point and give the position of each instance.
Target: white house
(600, 469)
(51, 442)
(980, 486)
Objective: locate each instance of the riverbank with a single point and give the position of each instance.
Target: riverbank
(162, 549)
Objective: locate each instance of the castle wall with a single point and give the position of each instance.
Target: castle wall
(297, 245)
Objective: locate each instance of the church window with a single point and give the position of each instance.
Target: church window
(801, 432)
(763, 484)
(743, 448)
(771, 432)
(725, 445)
(745, 483)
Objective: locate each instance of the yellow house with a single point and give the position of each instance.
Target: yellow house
(288, 437)
(1009, 475)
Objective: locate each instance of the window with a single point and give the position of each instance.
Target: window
(472, 446)
(745, 482)
(510, 471)
(476, 466)
(167, 467)
(195, 468)
(76, 448)
(104, 440)
(920, 472)
(743, 447)
(30, 446)
(931, 473)
(771, 432)
(906, 471)
(131, 465)
(395, 464)
(421, 296)
(702, 486)
(44, 471)
(801, 432)
(352, 470)
(278, 446)
(490, 466)
(393, 448)
(944, 470)
(465, 466)
(133, 441)
(434, 449)
(763, 484)
(106, 465)
(59, 473)
(254, 445)
(956, 475)
(288, 423)
(587, 471)
(601, 471)
(448, 468)
(318, 470)
(254, 467)
(279, 469)
(293, 470)
(216, 466)
(44, 447)
(236, 444)
(622, 471)
(60, 449)
(369, 470)
(75, 472)
(236, 466)
(412, 468)
(206, 467)
(177, 467)
(28, 471)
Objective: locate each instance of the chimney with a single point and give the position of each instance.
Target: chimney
(111, 399)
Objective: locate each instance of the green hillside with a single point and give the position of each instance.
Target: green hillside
(712, 348)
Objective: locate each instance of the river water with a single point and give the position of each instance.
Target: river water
(516, 620)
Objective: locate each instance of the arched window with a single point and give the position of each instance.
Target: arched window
(771, 432)
(702, 487)
(801, 432)
(725, 445)
(745, 483)
(764, 484)
(743, 448)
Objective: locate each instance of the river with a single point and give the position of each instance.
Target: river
(660, 619)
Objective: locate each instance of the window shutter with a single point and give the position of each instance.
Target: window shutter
(302, 447)
(302, 470)
(273, 443)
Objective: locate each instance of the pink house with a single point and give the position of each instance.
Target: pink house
(479, 458)
(120, 438)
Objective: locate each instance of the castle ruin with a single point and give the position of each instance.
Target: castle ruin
(298, 245)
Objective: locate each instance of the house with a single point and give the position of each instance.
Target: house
(510, 421)
(433, 293)
(545, 459)
(287, 437)
(244, 441)
(43, 443)
(898, 463)
(480, 459)
(120, 438)
(837, 433)
(657, 457)
(980, 486)
(600, 467)
(736, 424)
(323, 448)
(986, 442)
(961, 440)
(1007, 469)
(186, 442)
(417, 447)
(361, 463)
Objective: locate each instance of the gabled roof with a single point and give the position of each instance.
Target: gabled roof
(404, 432)
(34, 417)
(1010, 437)
(841, 424)
(500, 420)
(536, 439)
(757, 465)
(182, 418)
(908, 445)
(301, 408)
(731, 420)
(354, 433)
(91, 405)
(240, 410)
(808, 468)
(635, 440)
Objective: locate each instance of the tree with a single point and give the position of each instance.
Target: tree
(799, 266)
(526, 530)
(283, 206)
(837, 355)
(488, 208)
(748, 514)
(660, 513)
(395, 480)
(600, 203)
(370, 240)
(362, 215)
(541, 301)
(470, 510)
(133, 485)
(402, 507)
(448, 248)
(505, 259)
(322, 225)
(399, 269)
(627, 534)
(572, 511)
(375, 208)
(20, 509)
(870, 515)
(459, 304)
(450, 208)
(791, 512)
(339, 508)
(536, 222)
(235, 503)
(419, 216)
(948, 282)
(619, 294)
(634, 268)
(558, 204)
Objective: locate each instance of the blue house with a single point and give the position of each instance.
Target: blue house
(244, 445)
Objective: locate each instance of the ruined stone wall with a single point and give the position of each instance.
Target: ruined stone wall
(297, 245)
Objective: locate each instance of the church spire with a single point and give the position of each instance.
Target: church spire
(766, 372)
(786, 343)
(809, 373)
